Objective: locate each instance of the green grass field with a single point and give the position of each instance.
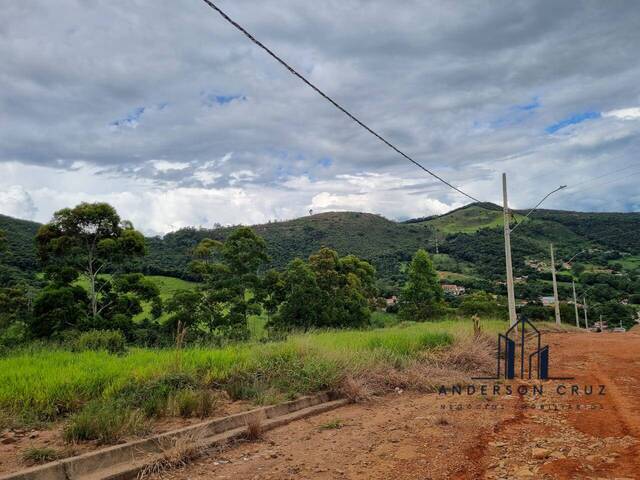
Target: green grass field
(45, 384)
(628, 262)
(469, 220)
(167, 285)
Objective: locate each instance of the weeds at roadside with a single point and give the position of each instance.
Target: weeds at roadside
(38, 455)
(39, 385)
(332, 425)
(106, 422)
(254, 430)
(354, 389)
(192, 403)
(181, 453)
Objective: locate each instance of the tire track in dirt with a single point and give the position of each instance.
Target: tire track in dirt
(413, 436)
(476, 454)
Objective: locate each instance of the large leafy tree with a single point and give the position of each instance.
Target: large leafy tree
(3, 241)
(422, 295)
(230, 270)
(90, 239)
(326, 291)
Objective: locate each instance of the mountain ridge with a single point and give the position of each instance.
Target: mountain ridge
(469, 240)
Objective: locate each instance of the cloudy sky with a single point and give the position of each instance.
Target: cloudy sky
(167, 112)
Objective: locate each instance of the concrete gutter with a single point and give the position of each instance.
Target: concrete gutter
(123, 462)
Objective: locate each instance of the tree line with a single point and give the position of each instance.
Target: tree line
(86, 255)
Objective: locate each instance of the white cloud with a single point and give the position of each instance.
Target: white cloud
(460, 89)
(15, 201)
(624, 113)
(165, 166)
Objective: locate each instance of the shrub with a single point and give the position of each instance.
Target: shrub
(104, 421)
(191, 403)
(37, 455)
(392, 308)
(152, 396)
(112, 341)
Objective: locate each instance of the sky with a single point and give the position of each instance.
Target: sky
(167, 112)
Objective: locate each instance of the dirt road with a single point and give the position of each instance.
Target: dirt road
(561, 434)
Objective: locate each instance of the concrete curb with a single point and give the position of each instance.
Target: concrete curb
(122, 462)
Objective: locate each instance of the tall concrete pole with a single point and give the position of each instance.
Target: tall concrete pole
(586, 320)
(556, 302)
(575, 303)
(507, 251)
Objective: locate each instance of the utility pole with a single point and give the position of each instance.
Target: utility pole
(555, 286)
(586, 320)
(435, 234)
(507, 251)
(575, 303)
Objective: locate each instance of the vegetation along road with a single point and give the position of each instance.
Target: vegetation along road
(424, 436)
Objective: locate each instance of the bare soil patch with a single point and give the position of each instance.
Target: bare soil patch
(412, 435)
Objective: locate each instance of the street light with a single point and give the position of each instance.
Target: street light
(539, 203)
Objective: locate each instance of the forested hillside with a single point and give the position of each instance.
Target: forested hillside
(386, 244)
(470, 241)
(19, 258)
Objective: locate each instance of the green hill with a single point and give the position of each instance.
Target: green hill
(470, 242)
(19, 259)
(385, 243)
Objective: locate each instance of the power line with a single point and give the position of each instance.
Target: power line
(593, 179)
(601, 240)
(294, 72)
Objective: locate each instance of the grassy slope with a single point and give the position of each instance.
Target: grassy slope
(47, 383)
(167, 285)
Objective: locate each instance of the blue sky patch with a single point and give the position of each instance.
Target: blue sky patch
(325, 162)
(528, 107)
(131, 120)
(212, 99)
(572, 120)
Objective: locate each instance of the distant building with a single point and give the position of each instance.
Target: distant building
(392, 300)
(453, 289)
(548, 301)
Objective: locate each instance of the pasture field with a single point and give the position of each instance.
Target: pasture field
(167, 286)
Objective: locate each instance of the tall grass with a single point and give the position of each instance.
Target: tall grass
(43, 384)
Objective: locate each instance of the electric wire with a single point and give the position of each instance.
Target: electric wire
(294, 72)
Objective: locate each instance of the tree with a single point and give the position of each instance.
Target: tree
(326, 292)
(421, 298)
(15, 305)
(3, 241)
(577, 269)
(57, 308)
(304, 303)
(615, 313)
(231, 273)
(271, 292)
(482, 304)
(91, 239)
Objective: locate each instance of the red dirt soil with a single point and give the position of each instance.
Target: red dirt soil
(414, 436)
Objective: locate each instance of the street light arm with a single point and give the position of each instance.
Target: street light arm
(579, 253)
(539, 203)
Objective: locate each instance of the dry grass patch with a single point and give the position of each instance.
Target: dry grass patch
(441, 421)
(179, 454)
(356, 389)
(39, 455)
(254, 429)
